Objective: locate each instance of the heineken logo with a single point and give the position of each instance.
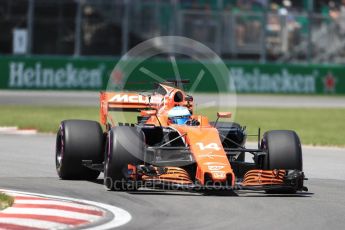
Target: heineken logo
(68, 76)
(256, 81)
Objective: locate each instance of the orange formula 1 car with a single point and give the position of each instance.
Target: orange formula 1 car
(171, 147)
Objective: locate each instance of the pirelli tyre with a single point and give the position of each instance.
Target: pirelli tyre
(125, 145)
(78, 140)
(283, 148)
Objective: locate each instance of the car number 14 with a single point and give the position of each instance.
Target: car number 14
(213, 146)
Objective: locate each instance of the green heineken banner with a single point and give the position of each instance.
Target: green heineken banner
(52, 73)
(292, 79)
(61, 73)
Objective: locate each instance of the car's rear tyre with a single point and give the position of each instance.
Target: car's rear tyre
(125, 145)
(283, 148)
(78, 140)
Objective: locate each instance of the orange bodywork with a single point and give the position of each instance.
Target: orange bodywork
(263, 177)
(136, 102)
(207, 151)
(113, 101)
(172, 175)
(203, 140)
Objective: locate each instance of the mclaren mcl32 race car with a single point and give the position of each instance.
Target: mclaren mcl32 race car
(171, 147)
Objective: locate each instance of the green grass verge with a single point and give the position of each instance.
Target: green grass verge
(314, 126)
(5, 201)
(45, 119)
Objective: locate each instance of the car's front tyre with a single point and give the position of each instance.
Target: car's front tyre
(125, 145)
(283, 151)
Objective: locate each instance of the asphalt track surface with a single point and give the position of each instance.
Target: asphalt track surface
(27, 163)
(57, 98)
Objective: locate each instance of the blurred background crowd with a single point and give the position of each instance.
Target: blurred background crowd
(263, 30)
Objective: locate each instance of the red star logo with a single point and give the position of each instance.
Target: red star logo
(329, 83)
(117, 77)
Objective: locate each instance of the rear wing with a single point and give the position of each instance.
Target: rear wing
(123, 101)
(131, 101)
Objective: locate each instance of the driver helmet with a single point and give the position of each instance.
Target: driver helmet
(179, 115)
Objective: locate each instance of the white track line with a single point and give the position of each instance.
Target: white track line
(51, 212)
(55, 202)
(34, 223)
(8, 128)
(16, 130)
(121, 216)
